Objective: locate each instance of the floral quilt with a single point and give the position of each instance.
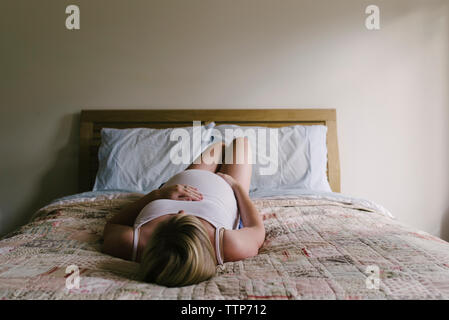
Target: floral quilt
(315, 248)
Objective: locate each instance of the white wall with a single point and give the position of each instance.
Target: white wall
(390, 87)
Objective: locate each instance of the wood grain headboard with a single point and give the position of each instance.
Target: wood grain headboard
(92, 121)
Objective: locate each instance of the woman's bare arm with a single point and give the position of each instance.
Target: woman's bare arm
(118, 232)
(248, 212)
(118, 240)
(129, 213)
(245, 242)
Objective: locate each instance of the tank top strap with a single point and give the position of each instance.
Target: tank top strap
(135, 243)
(217, 245)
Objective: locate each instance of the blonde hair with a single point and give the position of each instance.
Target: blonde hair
(178, 253)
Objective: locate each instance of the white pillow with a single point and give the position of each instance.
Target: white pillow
(299, 163)
(139, 160)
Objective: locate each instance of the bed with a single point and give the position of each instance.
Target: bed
(319, 245)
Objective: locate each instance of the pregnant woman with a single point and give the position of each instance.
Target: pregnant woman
(181, 231)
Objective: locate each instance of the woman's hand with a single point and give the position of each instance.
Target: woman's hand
(229, 179)
(180, 192)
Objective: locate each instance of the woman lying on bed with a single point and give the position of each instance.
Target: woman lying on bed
(181, 231)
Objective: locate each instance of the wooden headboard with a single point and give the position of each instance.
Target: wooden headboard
(92, 121)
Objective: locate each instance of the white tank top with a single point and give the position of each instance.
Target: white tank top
(218, 206)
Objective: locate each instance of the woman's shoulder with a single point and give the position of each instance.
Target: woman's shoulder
(239, 244)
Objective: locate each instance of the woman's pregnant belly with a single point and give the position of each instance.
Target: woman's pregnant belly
(211, 185)
(218, 206)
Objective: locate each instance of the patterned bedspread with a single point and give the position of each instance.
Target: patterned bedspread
(314, 249)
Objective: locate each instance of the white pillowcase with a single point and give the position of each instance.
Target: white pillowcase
(138, 160)
(301, 160)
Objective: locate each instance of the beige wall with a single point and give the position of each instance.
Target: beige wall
(390, 87)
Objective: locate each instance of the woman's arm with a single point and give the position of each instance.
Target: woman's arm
(129, 213)
(245, 242)
(118, 240)
(118, 232)
(248, 212)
